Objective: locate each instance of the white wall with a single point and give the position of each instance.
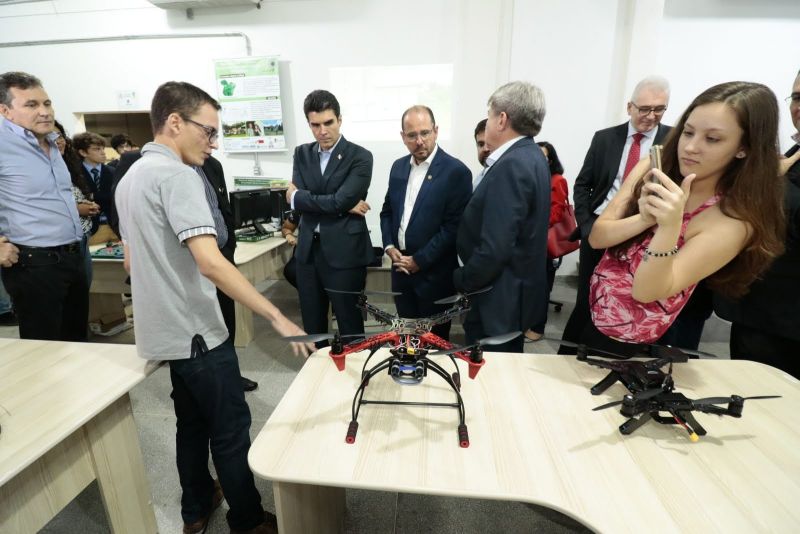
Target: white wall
(734, 40)
(585, 54)
(311, 36)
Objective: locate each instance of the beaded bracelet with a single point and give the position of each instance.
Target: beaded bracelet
(671, 252)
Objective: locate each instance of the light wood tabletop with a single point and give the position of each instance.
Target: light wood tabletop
(66, 420)
(535, 438)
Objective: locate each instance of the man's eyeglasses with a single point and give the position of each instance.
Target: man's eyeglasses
(413, 136)
(793, 99)
(644, 111)
(211, 132)
(97, 148)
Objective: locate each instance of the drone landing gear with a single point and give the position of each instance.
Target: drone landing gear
(408, 371)
(605, 383)
(680, 417)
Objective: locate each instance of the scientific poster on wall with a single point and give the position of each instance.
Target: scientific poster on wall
(249, 91)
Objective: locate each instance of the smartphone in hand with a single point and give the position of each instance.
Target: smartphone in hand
(655, 161)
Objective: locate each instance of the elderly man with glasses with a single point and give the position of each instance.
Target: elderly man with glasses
(613, 153)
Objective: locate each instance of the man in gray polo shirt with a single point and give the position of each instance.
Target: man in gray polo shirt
(174, 262)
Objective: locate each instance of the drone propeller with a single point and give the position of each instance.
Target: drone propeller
(313, 338)
(590, 350)
(640, 396)
(365, 292)
(452, 299)
(676, 354)
(698, 353)
(726, 400)
(493, 340)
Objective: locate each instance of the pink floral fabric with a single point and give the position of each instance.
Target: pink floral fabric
(615, 312)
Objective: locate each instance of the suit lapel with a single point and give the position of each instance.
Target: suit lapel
(616, 148)
(400, 192)
(333, 163)
(316, 175)
(427, 184)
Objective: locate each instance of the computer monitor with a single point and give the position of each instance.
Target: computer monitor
(252, 207)
(279, 206)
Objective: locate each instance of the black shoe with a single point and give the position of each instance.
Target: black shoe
(248, 385)
(8, 319)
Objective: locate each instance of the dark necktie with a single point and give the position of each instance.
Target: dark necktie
(633, 154)
(96, 177)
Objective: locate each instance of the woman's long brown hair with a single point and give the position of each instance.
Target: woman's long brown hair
(749, 188)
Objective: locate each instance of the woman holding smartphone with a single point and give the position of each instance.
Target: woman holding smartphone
(714, 211)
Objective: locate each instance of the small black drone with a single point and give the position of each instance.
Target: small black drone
(651, 391)
(645, 405)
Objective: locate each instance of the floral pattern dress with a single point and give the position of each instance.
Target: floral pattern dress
(615, 312)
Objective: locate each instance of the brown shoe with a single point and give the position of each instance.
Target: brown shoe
(199, 526)
(269, 526)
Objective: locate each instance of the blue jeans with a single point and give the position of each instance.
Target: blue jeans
(211, 412)
(5, 300)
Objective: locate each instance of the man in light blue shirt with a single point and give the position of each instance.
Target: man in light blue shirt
(38, 214)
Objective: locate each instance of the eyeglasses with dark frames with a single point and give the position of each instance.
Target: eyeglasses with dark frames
(644, 111)
(211, 132)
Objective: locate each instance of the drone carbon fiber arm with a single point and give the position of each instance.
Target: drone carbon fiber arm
(467, 355)
(382, 316)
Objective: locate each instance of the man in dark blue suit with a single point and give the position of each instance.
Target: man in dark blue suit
(92, 150)
(419, 220)
(502, 238)
(329, 187)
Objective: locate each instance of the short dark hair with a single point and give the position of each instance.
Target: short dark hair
(320, 100)
(83, 141)
(552, 158)
(120, 139)
(481, 127)
(420, 108)
(18, 80)
(177, 97)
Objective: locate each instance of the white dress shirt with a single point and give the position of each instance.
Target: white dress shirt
(416, 177)
(644, 150)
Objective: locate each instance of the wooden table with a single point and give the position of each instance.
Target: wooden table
(66, 421)
(257, 261)
(535, 439)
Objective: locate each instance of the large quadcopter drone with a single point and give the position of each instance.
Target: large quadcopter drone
(410, 343)
(651, 392)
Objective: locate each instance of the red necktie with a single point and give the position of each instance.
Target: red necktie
(633, 154)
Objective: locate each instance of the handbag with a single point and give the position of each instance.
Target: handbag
(558, 235)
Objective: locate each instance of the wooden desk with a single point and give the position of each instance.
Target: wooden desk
(66, 420)
(535, 439)
(258, 261)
